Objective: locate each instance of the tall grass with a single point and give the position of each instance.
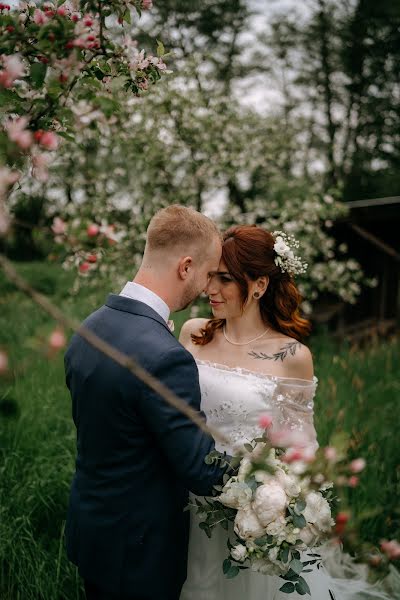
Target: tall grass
(358, 393)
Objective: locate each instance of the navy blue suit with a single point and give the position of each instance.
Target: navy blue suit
(137, 457)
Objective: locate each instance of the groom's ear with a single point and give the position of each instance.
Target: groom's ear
(184, 266)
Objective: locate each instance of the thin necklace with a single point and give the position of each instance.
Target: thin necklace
(243, 343)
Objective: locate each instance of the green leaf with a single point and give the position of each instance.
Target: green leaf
(300, 505)
(127, 16)
(38, 74)
(288, 588)
(248, 447)
(226, 565)
(284, 554)
(296, 565)
(302, 587)
(299, 521)
(160, 48)
(262, 540)
(233, 571)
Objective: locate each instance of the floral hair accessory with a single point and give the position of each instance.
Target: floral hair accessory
(285, 257)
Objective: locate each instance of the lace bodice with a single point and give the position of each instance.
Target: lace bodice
(234, 399)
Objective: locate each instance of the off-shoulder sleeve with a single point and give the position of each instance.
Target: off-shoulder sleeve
(294, 399)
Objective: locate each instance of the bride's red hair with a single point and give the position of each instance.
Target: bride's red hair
(248, 252)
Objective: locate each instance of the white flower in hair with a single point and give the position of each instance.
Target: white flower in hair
(285, 258)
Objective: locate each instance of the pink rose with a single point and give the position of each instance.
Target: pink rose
(147, 4)
(391, 549)
(357, 465)
(57, 339)
(330, 453)
(265, 421)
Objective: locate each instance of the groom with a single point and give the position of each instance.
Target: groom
(137, 457)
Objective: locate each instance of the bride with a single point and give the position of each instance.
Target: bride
(251, 363)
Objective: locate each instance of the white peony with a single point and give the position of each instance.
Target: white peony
(277, 528)
(289, 483)
(247, 524)
(235, 494)
(239, 552)
(309, 535)
(269, 502)
(318, 512)
(261, 565)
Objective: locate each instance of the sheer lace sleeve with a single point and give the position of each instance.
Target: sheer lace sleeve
(294, 399)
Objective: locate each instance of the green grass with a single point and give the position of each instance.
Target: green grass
(358, 393)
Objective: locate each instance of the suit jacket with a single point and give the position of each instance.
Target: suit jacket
(137, 457)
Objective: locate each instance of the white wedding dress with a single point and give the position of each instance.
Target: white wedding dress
(233, 400)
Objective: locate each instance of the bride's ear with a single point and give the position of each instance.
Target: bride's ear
(262, 284)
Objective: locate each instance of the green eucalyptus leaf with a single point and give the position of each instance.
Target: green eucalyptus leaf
(226, 565)
(233, 571)
(296, 565)
(287, 588)
(302, 587)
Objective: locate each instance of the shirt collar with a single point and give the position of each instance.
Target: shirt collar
(135, 291)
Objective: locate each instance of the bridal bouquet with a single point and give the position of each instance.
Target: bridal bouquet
(280, 510)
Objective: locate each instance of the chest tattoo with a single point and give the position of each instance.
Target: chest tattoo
(282, 353)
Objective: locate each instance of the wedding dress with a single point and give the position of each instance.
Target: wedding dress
(233, 400)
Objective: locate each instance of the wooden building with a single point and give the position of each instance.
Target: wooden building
(371, 232)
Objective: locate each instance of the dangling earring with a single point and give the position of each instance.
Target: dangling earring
(256, 295)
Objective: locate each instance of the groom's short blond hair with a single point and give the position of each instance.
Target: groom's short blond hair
(180, 226)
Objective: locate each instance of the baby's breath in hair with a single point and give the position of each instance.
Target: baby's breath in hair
(285, 258)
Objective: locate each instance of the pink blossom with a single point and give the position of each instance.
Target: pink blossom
(147, 4)
(357, 465)
(7, 178)
(13, 69)
(49, 140)
(330, 453)
(84, 267)
(3, 362)
(59, 227)
(265, 421)
(159, 63)
(17, 133)
(144, 84)
(40, 162)
(391, 549)
(88, 20)
(39, 17)
(57, 339)
(353, 481)
(92, 258)
(62, 11)
(287, 438)
(292, 455)
(92, 230)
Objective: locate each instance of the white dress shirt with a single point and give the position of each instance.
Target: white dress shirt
(135, 291)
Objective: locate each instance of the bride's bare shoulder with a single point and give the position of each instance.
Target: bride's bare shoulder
(294, 357)
(189, 327)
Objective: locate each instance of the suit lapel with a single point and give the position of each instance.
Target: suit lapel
(135, 307)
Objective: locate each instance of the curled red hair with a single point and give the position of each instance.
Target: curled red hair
(248, 252)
